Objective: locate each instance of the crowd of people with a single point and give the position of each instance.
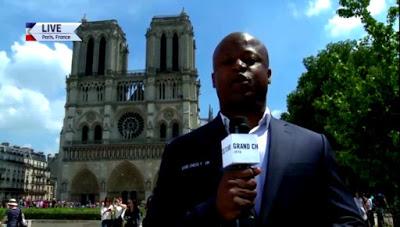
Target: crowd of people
(369, 205)
(27, 203)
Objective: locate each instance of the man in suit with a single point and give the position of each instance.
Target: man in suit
(296, 183)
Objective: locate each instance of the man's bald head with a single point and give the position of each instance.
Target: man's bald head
(241, 75)
(237, 39)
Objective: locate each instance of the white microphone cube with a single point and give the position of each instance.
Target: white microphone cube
(240, 149)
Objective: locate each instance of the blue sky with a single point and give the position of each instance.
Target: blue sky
(32, 74)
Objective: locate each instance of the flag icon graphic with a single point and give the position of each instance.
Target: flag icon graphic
(28, 35)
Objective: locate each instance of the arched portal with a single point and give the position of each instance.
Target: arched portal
(85, 188)
(175, 130)
(126, 181)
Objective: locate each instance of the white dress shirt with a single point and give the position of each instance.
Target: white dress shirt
(261, 131)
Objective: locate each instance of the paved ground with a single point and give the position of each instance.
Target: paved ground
(64, 223)
(96, 223)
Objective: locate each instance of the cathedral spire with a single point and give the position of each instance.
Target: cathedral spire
(210, 113)
(84, 20)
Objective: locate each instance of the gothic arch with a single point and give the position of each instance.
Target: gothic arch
(174, 90)
(95, 123)
(176, 128)
(127, 181)
(89, 57)
(175, 52)
(162, 130)
(102, 56)
(168, 114)
(98, 133)
(161, 89)
(84, 133)
(91, 118)
(85, 187)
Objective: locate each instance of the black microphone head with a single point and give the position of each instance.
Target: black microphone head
(239, 124)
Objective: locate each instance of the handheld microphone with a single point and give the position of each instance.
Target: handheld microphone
(240, 151)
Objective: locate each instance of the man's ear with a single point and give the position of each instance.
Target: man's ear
(269, 76)
(213, 79)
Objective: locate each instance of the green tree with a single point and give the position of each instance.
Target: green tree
(350, 92)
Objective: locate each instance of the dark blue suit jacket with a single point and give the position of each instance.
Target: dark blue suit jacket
(302, 187)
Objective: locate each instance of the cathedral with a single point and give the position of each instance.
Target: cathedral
(117, 121)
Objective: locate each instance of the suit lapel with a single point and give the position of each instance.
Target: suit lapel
(278, 157)
(217, 128)
(216, 131)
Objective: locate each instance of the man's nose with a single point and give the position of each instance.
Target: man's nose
(240, 65)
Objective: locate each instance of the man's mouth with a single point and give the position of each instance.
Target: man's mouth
(242, 79)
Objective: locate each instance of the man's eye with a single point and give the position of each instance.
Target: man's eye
(251, 60)
(228, 61)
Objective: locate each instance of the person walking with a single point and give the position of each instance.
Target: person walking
(14, 214)
(360, 205)
(132, 214)
(380, 205)
(369, 208)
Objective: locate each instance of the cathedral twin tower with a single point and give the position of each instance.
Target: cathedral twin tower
(117, 120)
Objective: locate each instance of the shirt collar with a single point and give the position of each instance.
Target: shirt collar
(264, 121)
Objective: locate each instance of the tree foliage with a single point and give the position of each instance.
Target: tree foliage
(350, 92)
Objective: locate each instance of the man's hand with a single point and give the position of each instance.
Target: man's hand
(236, 192)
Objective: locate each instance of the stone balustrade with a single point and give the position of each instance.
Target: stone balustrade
(113, 152)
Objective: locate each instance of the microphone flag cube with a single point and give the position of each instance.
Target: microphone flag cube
(240, 149)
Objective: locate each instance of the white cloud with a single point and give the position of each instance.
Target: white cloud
(32, 91)
(342, 26)
(4, 61)
(25, 110)
(376, 7)
(39, 67)
(339, 26)
(315, 7)
(276, 113)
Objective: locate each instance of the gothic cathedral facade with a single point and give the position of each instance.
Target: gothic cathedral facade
(117, 121)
